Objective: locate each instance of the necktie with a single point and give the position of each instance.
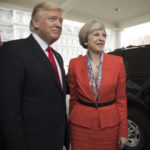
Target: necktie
(52, 60)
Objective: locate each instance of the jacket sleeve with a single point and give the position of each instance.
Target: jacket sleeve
(72, 86)
(11, 88)
(121, 101)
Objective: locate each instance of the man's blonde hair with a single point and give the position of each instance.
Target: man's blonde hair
(39, 8)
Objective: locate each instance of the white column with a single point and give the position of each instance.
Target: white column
(117, 37)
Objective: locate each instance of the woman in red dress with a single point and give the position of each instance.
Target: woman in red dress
(98, 103)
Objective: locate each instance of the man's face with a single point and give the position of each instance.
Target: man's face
(49, 25)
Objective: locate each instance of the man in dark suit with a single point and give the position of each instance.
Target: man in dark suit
(33, 88)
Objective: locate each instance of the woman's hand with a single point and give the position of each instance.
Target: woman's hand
(122, 142)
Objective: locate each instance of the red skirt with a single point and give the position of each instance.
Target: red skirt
(83, 138)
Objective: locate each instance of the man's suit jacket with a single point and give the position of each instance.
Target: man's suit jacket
(113, 86)
(32, 104)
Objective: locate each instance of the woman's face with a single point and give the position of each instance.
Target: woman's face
(96, 41)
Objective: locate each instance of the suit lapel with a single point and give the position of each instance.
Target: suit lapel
(62, 70)
(37, 50)
(104, 76)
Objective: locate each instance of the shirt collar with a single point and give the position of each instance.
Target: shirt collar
(40, 41)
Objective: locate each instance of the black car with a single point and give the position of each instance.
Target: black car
(137, 64)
